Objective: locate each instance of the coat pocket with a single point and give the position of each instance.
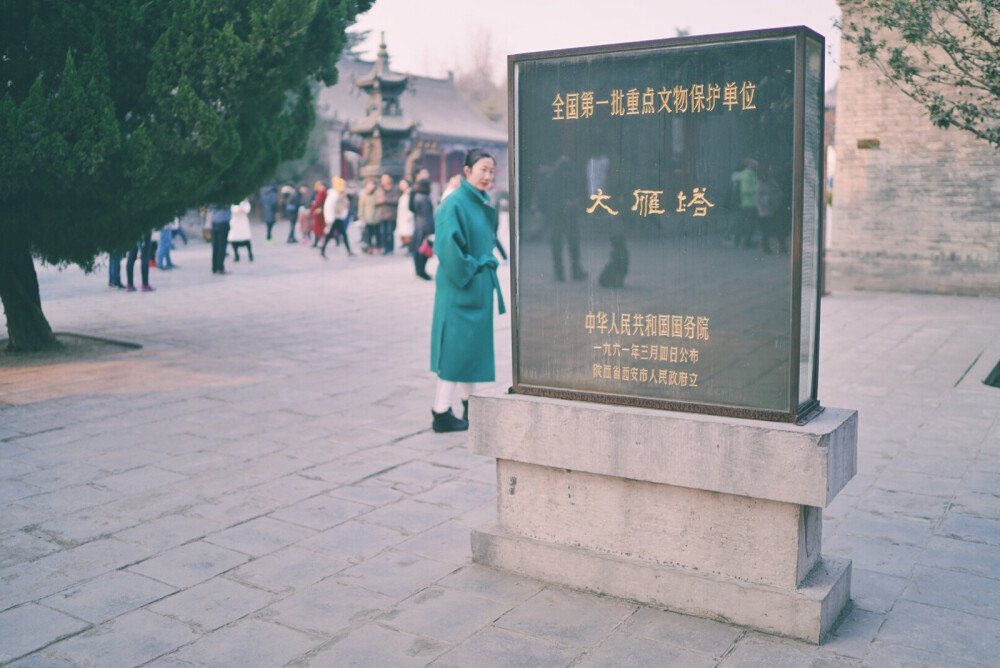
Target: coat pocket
(476, 295)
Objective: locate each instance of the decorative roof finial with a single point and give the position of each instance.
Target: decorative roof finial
(382, 59)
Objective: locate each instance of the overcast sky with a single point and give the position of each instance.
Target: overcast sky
(430, 37)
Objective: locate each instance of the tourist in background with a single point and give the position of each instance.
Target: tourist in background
(217, 219)
(566, 191)
(290, 199)
(177, 227)
(746, 225)
(143, 251)
(335, 211)
(404, 216)
(423, 224)
(368, 215)
(269, 207)
(115, 270)
(239, 229)
(386, 208)
(163, 260)
(772, 212)
(304, 216)
(462, 326)
(316, 211)
(452, 186)
(352, 204)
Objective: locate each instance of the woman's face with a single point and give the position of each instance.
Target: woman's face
(480, 175)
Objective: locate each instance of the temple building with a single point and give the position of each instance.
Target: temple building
(385, 134)
(422, 120)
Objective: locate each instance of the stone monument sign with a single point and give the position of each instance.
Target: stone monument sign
(663, 441)
(667, 207)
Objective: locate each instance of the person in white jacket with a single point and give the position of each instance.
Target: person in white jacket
(335, 212)
(404, 217)
(239, 229)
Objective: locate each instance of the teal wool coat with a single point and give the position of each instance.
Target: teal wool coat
(462, 330)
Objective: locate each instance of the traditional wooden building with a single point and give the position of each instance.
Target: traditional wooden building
(446, 126)
(385, 133)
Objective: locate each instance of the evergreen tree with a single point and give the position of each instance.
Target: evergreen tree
(117, 115)
(944, 54)
(355, 39)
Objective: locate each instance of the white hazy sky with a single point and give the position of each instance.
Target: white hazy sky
(430, 37)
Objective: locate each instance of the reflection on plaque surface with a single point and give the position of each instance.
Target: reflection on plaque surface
(666, 221)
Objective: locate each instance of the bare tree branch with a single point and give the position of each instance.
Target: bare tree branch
(943, 54)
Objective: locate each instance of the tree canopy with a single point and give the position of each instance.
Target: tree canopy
(476, 81)
(117, 116)
(944, 54)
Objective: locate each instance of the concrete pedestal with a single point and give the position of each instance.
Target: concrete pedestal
(709, 516)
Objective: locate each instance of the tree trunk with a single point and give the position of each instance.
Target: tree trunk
(26, 324)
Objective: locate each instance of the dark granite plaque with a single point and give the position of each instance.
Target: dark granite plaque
(666, 220)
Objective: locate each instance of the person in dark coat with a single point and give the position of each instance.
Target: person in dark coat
(143, 251)
(386, 207)
(269, 206)
(218, 218)
(462, 327)
(562, 214)
(115, 270)
(423, 224)
(292, 200)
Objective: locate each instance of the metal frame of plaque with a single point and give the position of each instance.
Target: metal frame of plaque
(666, 223)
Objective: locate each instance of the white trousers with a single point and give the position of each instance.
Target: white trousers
(445, 394)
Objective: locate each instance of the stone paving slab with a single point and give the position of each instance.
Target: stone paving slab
(108, 596)
(376, 645)
(504, 649)
(447, 615)
(259, 485)
(26, 628)
(129, 640)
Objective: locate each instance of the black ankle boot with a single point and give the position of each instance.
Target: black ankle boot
(465, 409)
(448, 422)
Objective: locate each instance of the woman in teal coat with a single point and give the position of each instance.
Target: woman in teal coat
(462, 329)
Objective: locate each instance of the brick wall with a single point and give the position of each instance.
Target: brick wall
(919, 213)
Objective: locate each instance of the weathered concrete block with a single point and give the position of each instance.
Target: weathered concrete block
(708, 516)
(755, 540)
(807, 612)
(803, 464)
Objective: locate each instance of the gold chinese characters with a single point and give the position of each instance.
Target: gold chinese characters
(649, 352)
(645, 375)
(693, 99)
(690, 327)
(647, 324)
(647, 203)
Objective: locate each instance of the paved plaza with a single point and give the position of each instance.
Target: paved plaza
(258, 485)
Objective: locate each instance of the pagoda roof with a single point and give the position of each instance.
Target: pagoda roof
(434, 104)
(385, 125)
(385, 79)
(381, 73)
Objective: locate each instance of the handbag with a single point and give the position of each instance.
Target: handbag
(427, 247)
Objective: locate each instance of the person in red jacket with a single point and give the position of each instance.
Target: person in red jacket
(316, 211)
